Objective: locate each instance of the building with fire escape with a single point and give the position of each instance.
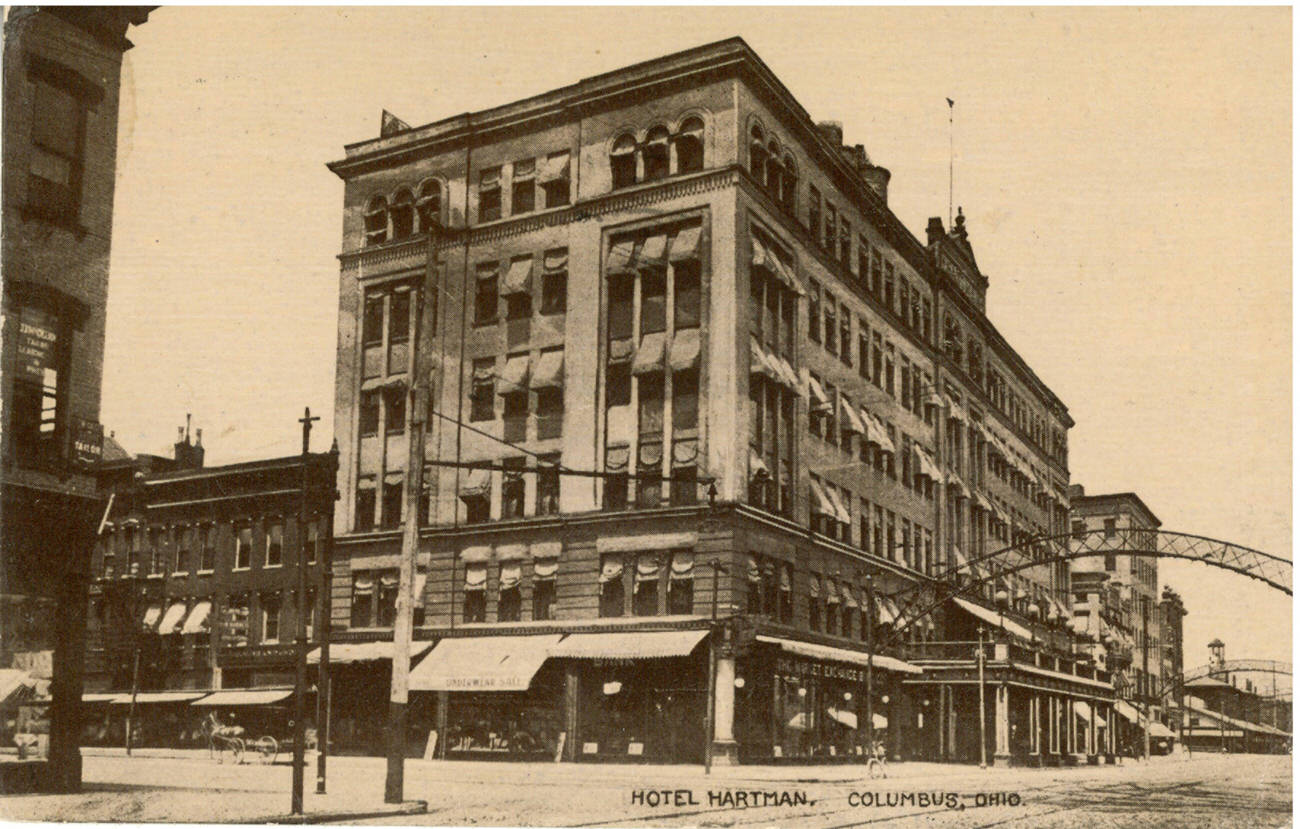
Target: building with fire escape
(707, 420)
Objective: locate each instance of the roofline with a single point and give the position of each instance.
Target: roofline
(1118, 498)
(717, 55)
(287, 461)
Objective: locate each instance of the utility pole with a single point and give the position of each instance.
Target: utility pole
(417, 412)
(979, 661)
(870, 599)
(325, 604)
(1146, 683)
(300, 656)
(137, 632)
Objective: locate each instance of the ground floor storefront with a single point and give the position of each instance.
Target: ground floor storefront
(180, 719)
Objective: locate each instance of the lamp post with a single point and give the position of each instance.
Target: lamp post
(870, 599)
(137, 631)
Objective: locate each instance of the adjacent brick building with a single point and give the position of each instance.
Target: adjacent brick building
(61, 72)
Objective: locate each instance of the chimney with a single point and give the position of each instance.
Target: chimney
(877, 178)
(187, 455)
(933, 231)
(832, 131)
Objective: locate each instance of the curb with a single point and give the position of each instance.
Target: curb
(408, 807)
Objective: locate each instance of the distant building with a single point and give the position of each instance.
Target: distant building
(1226, 711)
(61, 72)
(1172, 612)
(1129, 629)
(196, 572)
(704, 373)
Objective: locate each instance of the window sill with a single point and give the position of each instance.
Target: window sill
(240, 569)
(205, 572)
(271, 566)
(179, 573)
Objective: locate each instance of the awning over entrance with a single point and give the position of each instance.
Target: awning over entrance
(994, 618)
(1126, 711)
(1085, 713)
(103, 697)
(343, 652)
(887, 663)
(145, 697)
(647, 644)
(1159, 729)
(483, 663)
(251, 696)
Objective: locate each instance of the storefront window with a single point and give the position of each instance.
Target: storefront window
(650, 709)
(525, 724)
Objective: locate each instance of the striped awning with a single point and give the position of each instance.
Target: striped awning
(483, 663)
(658, 644)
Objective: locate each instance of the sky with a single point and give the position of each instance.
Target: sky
(1125, 174)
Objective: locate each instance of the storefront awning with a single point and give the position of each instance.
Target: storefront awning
(1159, 729)
(157, 697)
(346, 652)
(887, 663)
(1126, 711)
(252, 696)
(994, 618)
(483, 663)
(104, 697)
(656, 644)
(1084, 713)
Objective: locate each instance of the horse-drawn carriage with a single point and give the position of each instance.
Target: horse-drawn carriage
(229, 736)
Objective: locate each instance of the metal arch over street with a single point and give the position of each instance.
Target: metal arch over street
(1229, 666)
(1037, 551)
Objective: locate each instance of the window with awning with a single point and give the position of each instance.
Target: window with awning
(175, 613)
(650, 354)
(759, 363)
(511, 575)
(197, 621)
(515, 376)
(831, 591)
(757, 467)
(652, 252)
(821, 503)
(620, 259)
(555, 167)
(926, 464)
(475, 577)
(475, 483)
(545, 568)
(852, 421)
(519, 278)
(611, 568)
(647, 567)
(839, 510)
(685, 352)
(550, 369)
(683, 565)
(151, 616)
(686, 244)
(817, 395)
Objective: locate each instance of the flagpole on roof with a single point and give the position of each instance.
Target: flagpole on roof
(950, 159)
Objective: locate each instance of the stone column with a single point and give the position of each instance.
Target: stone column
(1002, 727)
(1033, 724)
(724, 711)
(1054, 724)
(950, 718)
(444, 699)
(1072, 730)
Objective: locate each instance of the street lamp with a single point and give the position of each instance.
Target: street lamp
(137, 633)
(979, 662)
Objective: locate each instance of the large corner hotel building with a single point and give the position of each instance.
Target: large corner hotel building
(671, 277)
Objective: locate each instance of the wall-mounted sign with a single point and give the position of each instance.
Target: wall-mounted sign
(87, 442)
(37, 337)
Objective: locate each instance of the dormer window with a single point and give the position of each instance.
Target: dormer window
(377, 221)
(622, 162)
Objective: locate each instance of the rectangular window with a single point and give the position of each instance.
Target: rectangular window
(620, 308)
(846, 337)
(483, 390)
(814, 313)
(616, 481)
(649, 470)
(243, 548)
(828, 233)
(548, 484)
(653, 302)
(543, 599)
(846, 241)
(312, 542)
(888, 385)
(650, 405)
(645, 598)
(508, 603)
(550, 413)
(611, 587)
(395, 411)
(365, 505)
(686, 400)
(474, 608)
(815, 602)
(270, 618)
(523, 188)
(555, 179)
(57, 151)
(182, 540)
(399, 321)
(877, 359)
(368, 413)
(208, 561)
(864, 350)
(391, 508)
(814, 211)
(489, 195)
(274, 544)
(681, 595)
(386, 601)
(877, 282)
(889, 287)
(829, 333)
(555, 283)
(686, 295)
(1109, 527)
(485, 295)
(512, 488)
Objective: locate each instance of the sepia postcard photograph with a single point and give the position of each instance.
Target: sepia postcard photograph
(630, 416)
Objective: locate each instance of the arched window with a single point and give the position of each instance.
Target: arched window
(790, 183)
(622, 161)
(690, 146)
(428, 207)
(377, 221)
(655, 153)
(757, 155)
(402, 214)
(774, 171)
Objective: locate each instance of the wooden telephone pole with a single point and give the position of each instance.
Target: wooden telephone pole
(300, 654)
(417, 409)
